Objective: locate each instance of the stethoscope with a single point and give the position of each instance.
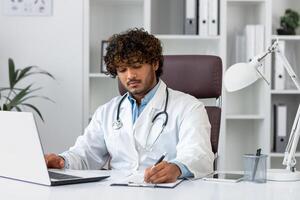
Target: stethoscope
(117, 124)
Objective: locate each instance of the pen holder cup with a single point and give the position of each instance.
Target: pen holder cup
(255, 168)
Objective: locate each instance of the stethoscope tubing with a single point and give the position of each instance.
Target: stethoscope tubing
(118, 123)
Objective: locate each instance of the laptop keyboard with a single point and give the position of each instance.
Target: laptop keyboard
(60, 176)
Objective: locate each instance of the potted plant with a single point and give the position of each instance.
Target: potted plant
(289, 22)
(14, 97)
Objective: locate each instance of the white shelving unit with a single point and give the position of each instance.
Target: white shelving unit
(103, 19)
(246, 114)
(289, 96)
(286, 37)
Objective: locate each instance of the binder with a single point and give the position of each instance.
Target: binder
(213, 20)
(259, 42)
(280, 127)
(279, 71)
(259, 39)
(203, 17)
(250, 38)
(191, 17)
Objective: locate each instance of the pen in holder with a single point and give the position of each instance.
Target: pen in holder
(258, 153)
(255, 167)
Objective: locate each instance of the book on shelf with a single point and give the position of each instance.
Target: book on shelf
(250, 43)
(254, 36)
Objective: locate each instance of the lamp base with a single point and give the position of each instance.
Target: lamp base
(282, 175)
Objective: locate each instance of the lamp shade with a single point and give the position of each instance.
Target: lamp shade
(240, 75)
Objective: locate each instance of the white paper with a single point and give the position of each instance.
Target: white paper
(137, 180)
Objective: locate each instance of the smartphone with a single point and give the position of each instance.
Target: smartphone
(224, 177)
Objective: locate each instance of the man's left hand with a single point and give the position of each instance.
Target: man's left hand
(163, 172)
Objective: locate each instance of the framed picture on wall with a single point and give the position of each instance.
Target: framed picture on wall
(28, 7)
(104, 44)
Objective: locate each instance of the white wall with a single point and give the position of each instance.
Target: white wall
(55, 43)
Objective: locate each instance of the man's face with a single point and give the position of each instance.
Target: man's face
(138, 79)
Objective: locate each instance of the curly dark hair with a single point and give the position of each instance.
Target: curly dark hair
(131, 47)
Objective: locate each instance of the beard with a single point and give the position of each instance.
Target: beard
(135, 87)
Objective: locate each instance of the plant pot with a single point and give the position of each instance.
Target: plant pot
(281, 31)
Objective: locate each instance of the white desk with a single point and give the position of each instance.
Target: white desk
(187, 190)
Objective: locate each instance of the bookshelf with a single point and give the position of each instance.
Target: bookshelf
(289, 96)
(247, 114)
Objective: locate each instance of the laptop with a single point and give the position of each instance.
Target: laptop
(22, 156)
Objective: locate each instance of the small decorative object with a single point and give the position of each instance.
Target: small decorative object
(27, 7)
(15, 98)
(104, 44)
(289, 22)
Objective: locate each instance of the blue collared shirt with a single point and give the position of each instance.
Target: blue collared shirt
(137, 110)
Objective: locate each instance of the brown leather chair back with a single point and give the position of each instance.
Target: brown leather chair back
(199, 76)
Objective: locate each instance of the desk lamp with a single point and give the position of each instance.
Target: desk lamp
(241, 75)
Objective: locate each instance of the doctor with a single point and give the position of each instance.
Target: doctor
(131, 132)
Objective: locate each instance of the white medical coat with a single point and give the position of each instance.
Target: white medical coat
(186, 137)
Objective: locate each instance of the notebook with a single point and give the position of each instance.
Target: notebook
(22, 154)
(137, 180)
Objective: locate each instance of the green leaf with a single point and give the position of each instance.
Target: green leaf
(15, 97)
(11, 70)
(35, 109)
(5, 107)
(22, 73)
(36, 96)
(15, 101)
(41, 72)
(36, 89)
(7, 88)
(18, 109)
(8, 99)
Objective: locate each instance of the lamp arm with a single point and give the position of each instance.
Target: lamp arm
(276, 49)
(289, 155)
(288, 67)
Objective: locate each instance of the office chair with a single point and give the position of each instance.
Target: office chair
(199, 76)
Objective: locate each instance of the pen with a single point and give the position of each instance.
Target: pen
(160, 159)
(258, 153)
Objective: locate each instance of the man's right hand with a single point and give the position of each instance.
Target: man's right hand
(54, 161)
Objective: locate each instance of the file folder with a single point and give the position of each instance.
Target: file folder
(280, 127)
(279, 75)
(191, 17)
(250, 42)
(213, 20)
(203, 17)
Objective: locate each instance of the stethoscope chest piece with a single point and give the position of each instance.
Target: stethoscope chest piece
(117, 125)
